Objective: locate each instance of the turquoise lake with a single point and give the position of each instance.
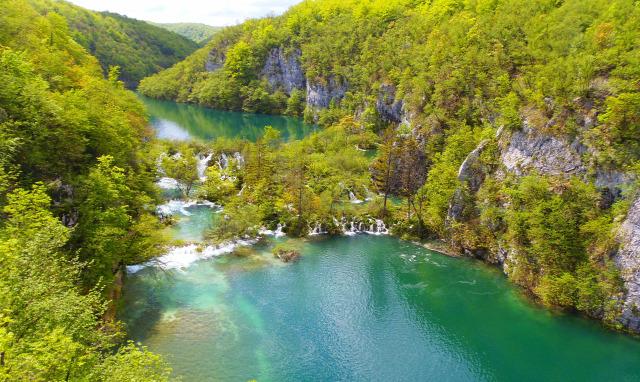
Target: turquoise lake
(182, 121)
(357, 308)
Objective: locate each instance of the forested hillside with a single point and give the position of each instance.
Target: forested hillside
(72, 155)
(140, 49)
(200, 33)
(513, 128)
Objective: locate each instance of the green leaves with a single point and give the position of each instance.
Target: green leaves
(240, 61)
(50, 328)
(182, 167)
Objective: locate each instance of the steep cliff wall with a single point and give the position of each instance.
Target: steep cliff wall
(284, 72)
(319, 95)
(536, 150)
(390, 108)
(628, 259)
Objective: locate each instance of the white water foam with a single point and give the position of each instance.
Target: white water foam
(203, 163)
(353, 199)
(275, 233)
(167, 183)
(317, 230)
(185, 255)
(371, 227)
(179, 206)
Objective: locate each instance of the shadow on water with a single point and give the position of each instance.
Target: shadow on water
(143, 310)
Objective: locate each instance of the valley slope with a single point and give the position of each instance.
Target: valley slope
(513, 131)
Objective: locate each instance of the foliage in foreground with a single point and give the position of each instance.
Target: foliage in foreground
(50, 328)
(72, 149)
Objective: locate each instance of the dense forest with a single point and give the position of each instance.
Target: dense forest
(503, 130)
(76, 194)
(200, 33)
(508, 127)
(138, 48)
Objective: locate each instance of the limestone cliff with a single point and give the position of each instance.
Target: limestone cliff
(216, 58)
(628, 259)
(534, 149)
(390, 108)
(320, 94)
(284, 72)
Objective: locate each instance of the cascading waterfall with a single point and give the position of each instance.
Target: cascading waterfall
(369, 195)
(317, 230)
(203, 163)
(275, 233)
(183, 256)
(179, 257)
(353, 199)
(223, 162)
(369, 226)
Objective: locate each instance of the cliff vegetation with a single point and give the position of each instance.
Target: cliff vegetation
(76, 197)
(508, 127)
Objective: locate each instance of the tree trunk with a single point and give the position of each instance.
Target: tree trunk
(386, 187)
(420, 213)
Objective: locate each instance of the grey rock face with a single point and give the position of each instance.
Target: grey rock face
(471, 170)
(390, 110)
(284, 72)
(628, 259)
(612, 180)
(472, 173)
(216, 58)
(211, 66)
(528, 151)
(320, 96)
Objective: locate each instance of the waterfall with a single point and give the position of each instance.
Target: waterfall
(275, 233)
(317, 230)
(167, 183)
(239, 159)
(370, 226)
(223, 162)
(183, 256)
(369, 195)
(353, 199)
(179, 206)
(203, 163)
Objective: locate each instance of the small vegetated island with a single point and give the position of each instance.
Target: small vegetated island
(503, 130)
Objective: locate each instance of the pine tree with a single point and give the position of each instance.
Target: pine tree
(384, 167)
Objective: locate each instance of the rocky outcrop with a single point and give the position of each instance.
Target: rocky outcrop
(390, 109)
(532, 151)
(628, 260)
(472, 171)
(529, 151)
(471, 174)
(320, 95)
(212, 65)
(216, 58)
(284, 72)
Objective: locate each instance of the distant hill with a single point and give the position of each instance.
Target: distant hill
(139, 48)
(200, 33)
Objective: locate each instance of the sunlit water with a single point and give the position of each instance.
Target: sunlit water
(363, 308)
(357, 308)
(182, 121)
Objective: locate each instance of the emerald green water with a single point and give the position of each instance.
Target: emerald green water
(182, 121)
(363, 308)
(355, 308)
